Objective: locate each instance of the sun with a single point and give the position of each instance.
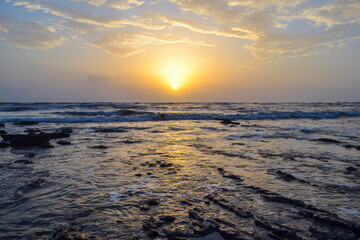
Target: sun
(175, 86)
(175, 74)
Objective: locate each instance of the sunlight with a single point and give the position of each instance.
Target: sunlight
(175, 86)
(175, 74)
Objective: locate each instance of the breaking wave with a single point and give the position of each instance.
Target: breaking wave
(128, 115)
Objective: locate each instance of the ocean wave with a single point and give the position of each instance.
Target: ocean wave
(121, 112)
(127, 115)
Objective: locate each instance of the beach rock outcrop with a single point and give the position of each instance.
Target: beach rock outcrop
(2, 125)
(28, 140)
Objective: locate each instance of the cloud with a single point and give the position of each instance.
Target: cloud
(234, 32)
(28, 34)
(117, 4)
(276, 46)
(124, 44)
(105, 21)
(338, 12)
(276, 29)
(218, 9)
(259, 20)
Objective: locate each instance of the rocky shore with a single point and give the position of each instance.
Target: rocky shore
(163, 193)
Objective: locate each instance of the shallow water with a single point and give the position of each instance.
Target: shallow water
(217, 181)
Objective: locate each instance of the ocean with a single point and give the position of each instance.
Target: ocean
(179, 171)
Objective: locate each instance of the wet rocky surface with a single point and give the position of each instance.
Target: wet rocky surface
(167, 185)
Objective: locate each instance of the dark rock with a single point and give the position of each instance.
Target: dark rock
(202, 229)
(274, 197)
(348, 146)
(58, 134)
(336, 222)
(318, 233)
(110, 130)
(33, 130)
(177, 232)
(24, 123)
(305, 213)
(228, 121)
(138, 175)
(30, 155)
(238, 211)
(29, 140)
(279, 231)
(222, 221)
(167, 219)
(153, 234)
(307, 131)
(24, 161)
(328, 140)
(3, 132)
(285, 176)
(66, 130)
(153, 202)
(152, 223)
(63, 142)
(2, 125)
(99, 147)
(226, 174)
(229, 233)
(165, 164)
(130, 142)
(28, 187)
(240, 144)
(194, 215)
(127, 112)
(351, 169)
(186, 202)
(4, 145)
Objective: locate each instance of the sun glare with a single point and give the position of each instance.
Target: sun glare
(175, 86)
(175, 74)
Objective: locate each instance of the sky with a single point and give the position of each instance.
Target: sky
(179, 50)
